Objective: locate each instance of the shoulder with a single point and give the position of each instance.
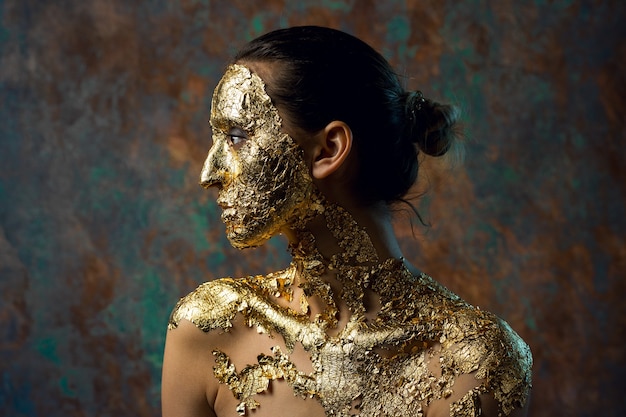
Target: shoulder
(491, 341)
(188, 384)
(480, 343)
(481, 358)
(212, 305)
(474, 339)
(187, 389)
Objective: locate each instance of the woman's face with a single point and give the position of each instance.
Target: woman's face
(263, 179)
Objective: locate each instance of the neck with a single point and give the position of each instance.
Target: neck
(335, 255)
(343, 231)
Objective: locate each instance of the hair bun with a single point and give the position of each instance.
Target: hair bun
(431, 125)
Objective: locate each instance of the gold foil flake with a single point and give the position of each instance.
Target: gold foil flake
(379, 367)
(310, 267)
(211, 306)
(277, 284)
(254, 379)
(469, 405)
(355, 242)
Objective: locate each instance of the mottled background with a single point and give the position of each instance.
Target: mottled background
(103, 129)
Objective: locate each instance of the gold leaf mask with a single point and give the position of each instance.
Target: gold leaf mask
(264, 184)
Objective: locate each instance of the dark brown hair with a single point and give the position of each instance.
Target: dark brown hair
(320, 74)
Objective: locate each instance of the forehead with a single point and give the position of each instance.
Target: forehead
(240, 100)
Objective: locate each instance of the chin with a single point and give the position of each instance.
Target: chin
(244, 238)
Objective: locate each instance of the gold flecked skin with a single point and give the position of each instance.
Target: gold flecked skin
(371, 367)
(266, 181)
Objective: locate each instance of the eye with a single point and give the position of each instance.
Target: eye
(237, 137)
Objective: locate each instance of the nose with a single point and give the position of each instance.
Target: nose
(215, 171)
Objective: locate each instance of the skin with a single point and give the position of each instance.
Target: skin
(189, 387)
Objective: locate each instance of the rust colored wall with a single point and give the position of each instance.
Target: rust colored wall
(102, 225)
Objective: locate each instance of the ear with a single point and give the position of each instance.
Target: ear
(333, 146)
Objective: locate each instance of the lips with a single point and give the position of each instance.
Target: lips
(228, 211)
(221, 200)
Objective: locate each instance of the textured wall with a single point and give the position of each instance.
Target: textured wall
(103, 131)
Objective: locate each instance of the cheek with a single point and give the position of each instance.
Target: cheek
(264, 172)
(273, 175)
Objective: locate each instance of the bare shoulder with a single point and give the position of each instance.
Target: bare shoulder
(187, 364)
(198, 325)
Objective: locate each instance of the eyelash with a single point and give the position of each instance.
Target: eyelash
(236, 139)
(237, 136)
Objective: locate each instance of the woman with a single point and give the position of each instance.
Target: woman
(314, 138)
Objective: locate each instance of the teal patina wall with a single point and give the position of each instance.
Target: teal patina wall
(104, 107)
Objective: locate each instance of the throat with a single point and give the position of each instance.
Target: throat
(335, 265)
